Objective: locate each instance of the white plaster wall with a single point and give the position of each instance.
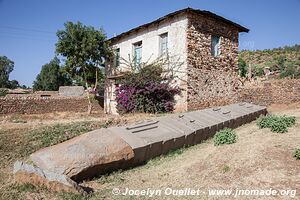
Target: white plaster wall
(176, 28)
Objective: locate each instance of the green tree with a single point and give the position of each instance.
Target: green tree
(291, 71)
(280, 63)
(13, 84)
(85, 49)
(51, 77)
(6, 67)
(259, 71)
(242, 67)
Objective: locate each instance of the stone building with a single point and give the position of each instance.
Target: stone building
(205, 45)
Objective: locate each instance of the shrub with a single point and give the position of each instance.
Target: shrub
(297, 154)
(225, 136)
(242, 66)
(146, 91)
(259, 71)
(3, 92)
(290, 71)
(265, 121)
(156, 98)
(289, 121)
(279, 127)
(277, 124)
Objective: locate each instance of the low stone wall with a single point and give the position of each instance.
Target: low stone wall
(211, 102)
(40, 105)
(283, 91)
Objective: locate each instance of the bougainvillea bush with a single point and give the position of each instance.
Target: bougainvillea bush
(146, 91)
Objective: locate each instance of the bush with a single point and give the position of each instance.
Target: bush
(225, 136)
(291, 71)
(242, 66)
(289, 121)
(259, 71)
(279, 127)
(3, 92)
(146, 91)
(265, 121)
(277, 124)
(297, 154)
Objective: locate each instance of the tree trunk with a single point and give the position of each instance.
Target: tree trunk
(89, 110)
(96, 82)
(89, 100)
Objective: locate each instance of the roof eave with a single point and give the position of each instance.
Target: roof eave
(186, 10)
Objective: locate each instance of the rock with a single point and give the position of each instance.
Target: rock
(73, 91)
(25, 173)
(85, 156)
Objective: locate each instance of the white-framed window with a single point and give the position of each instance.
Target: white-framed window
(117, 57)
(137, 54)
(215, 45)
(163, 44)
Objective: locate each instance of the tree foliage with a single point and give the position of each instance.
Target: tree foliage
(242, 67)
(51, 77)
(6, 67)
(282, 62)
(84, 48)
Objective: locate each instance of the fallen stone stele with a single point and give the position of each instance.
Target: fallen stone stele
(61, 167)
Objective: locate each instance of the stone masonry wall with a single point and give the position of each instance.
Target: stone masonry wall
(283, 91)
(212, 81)
(39, 105)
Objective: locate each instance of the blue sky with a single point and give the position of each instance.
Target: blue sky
(28, 28)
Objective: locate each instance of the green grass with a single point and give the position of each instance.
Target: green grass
(50, 135)
(18, 191)
(17, 120)
(26, 188)
(116, 176)
(58, 133)
(26, 141)
(71, 196)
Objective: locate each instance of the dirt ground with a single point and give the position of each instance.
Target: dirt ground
(259, 160)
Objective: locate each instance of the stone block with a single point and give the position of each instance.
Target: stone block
(100, 151)
(26, 173)
(71, 91)
(84, 156)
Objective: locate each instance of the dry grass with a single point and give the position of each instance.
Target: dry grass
(259, 160)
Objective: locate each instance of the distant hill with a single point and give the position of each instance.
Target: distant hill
(283, 60)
